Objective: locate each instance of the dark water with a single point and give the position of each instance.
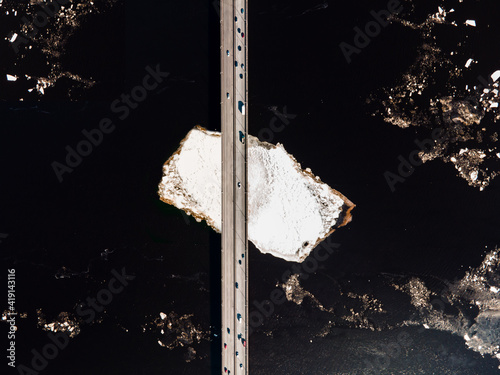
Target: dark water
(433, 226)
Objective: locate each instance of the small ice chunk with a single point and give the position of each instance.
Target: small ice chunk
(494, 289)
(11, 78)
(494, 105)
(467, 64)
(495, 76)
(13, 37)
(426, 326)
(470, 23)
(466, 337)
(163, 315)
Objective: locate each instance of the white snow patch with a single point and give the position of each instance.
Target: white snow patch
(289, 210)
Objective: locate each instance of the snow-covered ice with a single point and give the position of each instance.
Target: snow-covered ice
(290, 210)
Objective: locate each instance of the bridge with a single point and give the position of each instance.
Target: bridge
(234, 100)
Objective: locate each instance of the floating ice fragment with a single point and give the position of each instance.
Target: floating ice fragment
(11, 78)
(470, 23)
(495, 75)
(290, 210)
(467, 64)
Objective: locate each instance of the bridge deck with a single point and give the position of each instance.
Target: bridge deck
(234, 96)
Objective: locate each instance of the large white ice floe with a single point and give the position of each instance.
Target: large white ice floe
(290, 210)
